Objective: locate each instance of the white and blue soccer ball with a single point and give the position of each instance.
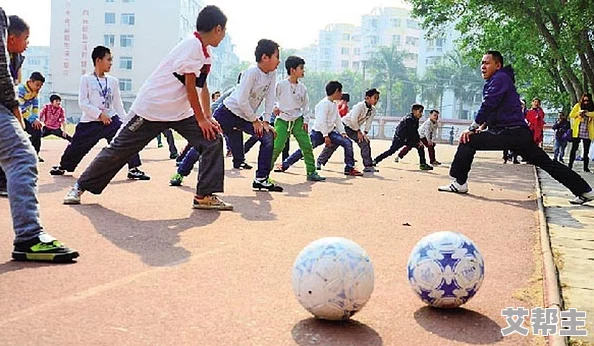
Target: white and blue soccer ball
(445, 269)
(333, 278)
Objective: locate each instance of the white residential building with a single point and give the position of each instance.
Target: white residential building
(346, 47)
(432, 51)
(138, 32)
(391, 26)
(37, 59)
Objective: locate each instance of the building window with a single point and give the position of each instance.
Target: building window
(109, 0)
(127, 18)
(109, 40)
(396, 40)
(344, 64)
(125, 1)
(126, 40)
(355, 65)
(344, 51)
(439, 43)
(412, 24)
(373, 40)
(411, 56)
(125, 84)
(346, 36)
(374, 23)
(109, 18)
(412, 41)
(357, 51)
(395, 22)
(126, 63)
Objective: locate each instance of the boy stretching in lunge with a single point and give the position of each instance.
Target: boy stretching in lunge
(53, 119)
(361, 115)
(292, 116)
(239, 111)
(28, 96)
(407, 133)
(169, 99)
(328, 130)
(428, 134)
(103, 111)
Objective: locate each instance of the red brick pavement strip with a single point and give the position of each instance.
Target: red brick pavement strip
(153, 271)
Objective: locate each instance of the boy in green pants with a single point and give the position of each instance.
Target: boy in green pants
(292, 113)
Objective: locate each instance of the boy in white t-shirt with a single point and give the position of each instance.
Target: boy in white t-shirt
(293, 116)
(329, 130)
(357, 124)
(169, 99)
(238, 111)
(103, 112)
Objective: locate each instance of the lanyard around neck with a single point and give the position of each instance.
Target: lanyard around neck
(103, 91)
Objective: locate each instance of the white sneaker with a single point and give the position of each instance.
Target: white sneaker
(454, 187)
(73, 196)
(583, 198)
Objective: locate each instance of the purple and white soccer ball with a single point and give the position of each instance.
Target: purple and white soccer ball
(333, 278)
(445, 269)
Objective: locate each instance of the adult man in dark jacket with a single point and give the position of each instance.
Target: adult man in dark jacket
(407, 133)
(501, 115)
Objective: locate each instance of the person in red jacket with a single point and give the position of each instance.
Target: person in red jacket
(343, 105)
(535, 117)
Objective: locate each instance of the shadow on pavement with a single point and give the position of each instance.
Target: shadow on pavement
(155, 241)
(256, 207)
(459, 324)
(511, 177)
(313, 331)
(11, 266)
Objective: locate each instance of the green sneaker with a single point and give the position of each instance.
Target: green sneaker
(315, 177)
(43, 248)
(176, 180)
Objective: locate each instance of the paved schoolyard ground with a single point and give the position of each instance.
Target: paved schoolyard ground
(153, 271)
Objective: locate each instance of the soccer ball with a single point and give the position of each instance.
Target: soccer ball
(445, 269)
(333, 278)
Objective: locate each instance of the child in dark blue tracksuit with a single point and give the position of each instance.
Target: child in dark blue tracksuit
(407, 133)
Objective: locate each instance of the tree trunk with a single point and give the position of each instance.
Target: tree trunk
(570, 76)
(589, 52)
(569, 88)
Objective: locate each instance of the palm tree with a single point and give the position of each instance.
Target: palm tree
(465, 81)
(387, 64)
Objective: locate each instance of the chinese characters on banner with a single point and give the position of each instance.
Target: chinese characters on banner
(85, 42)
(66, 52)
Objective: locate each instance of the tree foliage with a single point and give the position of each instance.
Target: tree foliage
(548, 42)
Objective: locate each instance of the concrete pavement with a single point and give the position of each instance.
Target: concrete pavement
(154, 271)
(571, 230)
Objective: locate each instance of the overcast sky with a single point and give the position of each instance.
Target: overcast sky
(293, 24)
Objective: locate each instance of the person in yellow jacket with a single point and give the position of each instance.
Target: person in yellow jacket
(582, 128)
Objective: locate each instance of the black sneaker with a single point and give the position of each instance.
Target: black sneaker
(57, 170)
(43, 248)
(425, 167)
(137, 174)
(242, 165)
(3, 191)
(266, 184)
(40, 159)
(173, 156)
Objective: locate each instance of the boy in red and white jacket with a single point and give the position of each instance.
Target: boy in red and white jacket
(53, 119)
